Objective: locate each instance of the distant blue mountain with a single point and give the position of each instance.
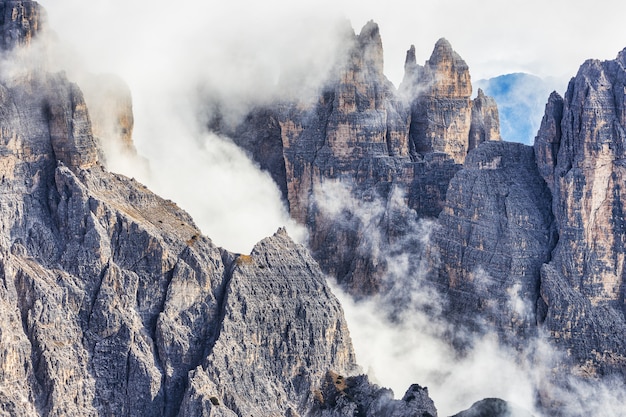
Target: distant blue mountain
(521, 101)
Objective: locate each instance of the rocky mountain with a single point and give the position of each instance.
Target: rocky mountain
(21, 21)
(113, 303)
(380, 141)
(496, 231)
(526, 242)
(529, 244)
(580, 149)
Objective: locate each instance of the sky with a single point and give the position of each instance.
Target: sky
(547, 38)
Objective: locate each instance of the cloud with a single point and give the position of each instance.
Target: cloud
(244, 53)
(172, 57)
(537, 37)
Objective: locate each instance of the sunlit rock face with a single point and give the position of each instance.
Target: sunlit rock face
(441, 110)
(114, 304)
(443, 116)
(363, 133)
(580, 151)
(485, 121)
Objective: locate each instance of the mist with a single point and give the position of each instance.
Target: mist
(401, 336)
(244, 54)
(171, 65)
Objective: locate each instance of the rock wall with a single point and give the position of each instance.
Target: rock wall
(365, 134)
(485, 121)
(531, 241)
(112, 296)
(21, 21)
(495, 234)
(443, 116)
(580, 151)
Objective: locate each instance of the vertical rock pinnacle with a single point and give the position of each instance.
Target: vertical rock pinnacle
(371, 44)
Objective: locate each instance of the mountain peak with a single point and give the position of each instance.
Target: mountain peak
(443, 53)
(410, 60)
(371, 44)
(370, 30)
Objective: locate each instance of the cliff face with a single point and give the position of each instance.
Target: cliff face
(440, 111)
(580, 151)
(495, 233)
(443, 117)
(542, 229)
(114, 304)
(527, 240)
(379, 142)
(21, 21)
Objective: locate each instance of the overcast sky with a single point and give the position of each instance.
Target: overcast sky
(548, 38)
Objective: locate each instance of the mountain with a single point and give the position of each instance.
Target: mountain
(112, 301)
(524, 242)
(382, 143)
(580, 153)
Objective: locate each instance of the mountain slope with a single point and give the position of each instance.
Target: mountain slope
(113, 303)
(580, 152)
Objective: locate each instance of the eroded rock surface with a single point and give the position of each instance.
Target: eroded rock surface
(581, 152)
(111, 295)
(381, 144)
(341, 396)
(256, 372)
(114, 304)
(495, 233)
(21, 21)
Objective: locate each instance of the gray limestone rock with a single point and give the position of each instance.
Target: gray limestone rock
(21, 21)
(343, 396)
(115, 297)
(443, 117)
(114, 304)
(485, 121)
(361, 133)
(495, 233)
(581, 153)
(548, 139)
(256, 372)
